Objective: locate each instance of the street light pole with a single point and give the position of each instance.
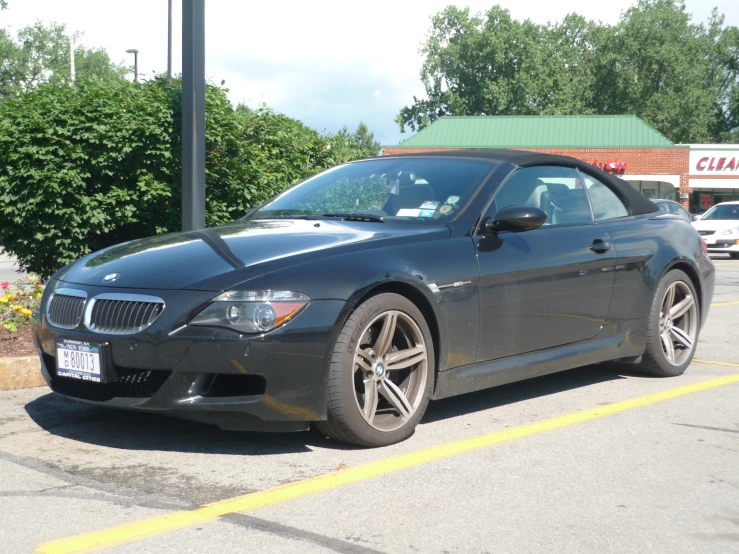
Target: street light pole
(193, 115)
(72, 71)
(169, 42)
(135, 63)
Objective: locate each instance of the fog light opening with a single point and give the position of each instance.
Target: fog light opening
(222, 385)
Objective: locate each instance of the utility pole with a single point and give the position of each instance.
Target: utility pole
(72, 71)
(193, 115)
(169, 41)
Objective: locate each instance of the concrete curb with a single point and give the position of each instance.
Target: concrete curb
(20, 373)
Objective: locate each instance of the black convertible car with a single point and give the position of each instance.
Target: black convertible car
(352, 299)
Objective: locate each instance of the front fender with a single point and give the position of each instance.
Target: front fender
(411, 267)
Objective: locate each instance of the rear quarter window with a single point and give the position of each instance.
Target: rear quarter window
(606, 204)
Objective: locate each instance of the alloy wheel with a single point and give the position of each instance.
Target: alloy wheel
(390, 370)
(678, 323)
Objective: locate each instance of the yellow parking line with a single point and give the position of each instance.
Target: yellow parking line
(724, 304)
(728, 364)
(138, 530)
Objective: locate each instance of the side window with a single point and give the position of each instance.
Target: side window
(556, 190)
(606, 205)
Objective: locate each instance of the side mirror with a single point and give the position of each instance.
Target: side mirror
(517, 219)
(696, 217)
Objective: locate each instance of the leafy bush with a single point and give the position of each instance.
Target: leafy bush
(86, 166)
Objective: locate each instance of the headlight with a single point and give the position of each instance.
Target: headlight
(252, 311)
(731, 231)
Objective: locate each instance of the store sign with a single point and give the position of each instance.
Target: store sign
(714, 162)
(609, 165)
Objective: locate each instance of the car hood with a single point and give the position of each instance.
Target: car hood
(221, 257)
(715, 224)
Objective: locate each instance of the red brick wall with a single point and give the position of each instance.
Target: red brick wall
(639, 161)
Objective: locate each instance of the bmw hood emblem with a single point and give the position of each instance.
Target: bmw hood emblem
(111, 277)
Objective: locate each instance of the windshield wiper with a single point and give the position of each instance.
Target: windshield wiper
(353, 216)
(358, 216)
(293, 216)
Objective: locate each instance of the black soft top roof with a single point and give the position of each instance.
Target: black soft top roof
(639, 203)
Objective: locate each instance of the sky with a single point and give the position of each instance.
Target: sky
(327, 63)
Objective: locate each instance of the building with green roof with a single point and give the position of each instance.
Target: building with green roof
(534, 131)
(620, 144)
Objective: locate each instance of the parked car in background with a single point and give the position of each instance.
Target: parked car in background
(719, 227)
(354, 298)
(673, 208)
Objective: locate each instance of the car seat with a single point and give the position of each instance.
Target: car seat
(410, 195)
(519, 192)
(566, 205)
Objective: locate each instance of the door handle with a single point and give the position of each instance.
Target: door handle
(600, 247)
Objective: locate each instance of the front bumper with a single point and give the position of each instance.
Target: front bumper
(274, 381)
(722, 246)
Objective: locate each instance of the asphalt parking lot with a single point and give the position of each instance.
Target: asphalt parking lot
(591, 460)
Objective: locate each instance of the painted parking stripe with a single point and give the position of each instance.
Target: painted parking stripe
(709, 362)
(129, 532)
(715, 305)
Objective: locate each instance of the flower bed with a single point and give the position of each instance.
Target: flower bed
(18, 301)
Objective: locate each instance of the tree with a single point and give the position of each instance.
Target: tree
(88, 166)
(366, 141)
(679, 77)
(660, 71)
(361, 143)
(40, 54)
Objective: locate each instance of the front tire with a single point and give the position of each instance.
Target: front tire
(381, 373)
(674, 323)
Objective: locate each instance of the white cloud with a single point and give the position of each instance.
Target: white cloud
(319, 61)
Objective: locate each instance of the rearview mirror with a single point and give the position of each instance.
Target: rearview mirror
(517, 219)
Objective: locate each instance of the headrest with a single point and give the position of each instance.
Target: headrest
(558, 188)
(407, 178)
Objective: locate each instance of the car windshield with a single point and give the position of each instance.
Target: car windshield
(727, 211)
(663, 207)
(396, 189)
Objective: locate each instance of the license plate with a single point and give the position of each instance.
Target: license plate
(79, 360)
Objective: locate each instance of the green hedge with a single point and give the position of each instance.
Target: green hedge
(86, 166)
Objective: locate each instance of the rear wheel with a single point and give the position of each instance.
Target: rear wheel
(674, 322)
(381, 374)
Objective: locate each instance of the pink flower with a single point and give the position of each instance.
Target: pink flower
(5, 285)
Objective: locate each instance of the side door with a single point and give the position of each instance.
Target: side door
(549, 286)
(633, 245)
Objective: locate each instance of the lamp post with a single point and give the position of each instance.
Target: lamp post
(72, 71)
(135, 62)
(169, 41)
(193, 115)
